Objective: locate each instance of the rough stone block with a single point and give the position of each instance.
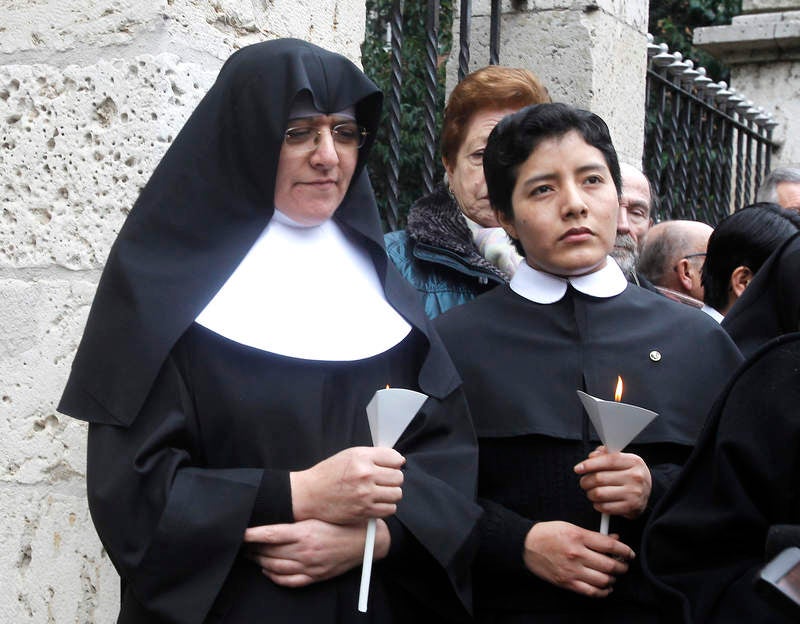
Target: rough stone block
(45, 31)
(40, 326)
(336, 25)
(760, 38)
(777, 84)
(77, 145)
(620, 67)
(768, 6)
(50, 26)
(52, 564)
(632, 12)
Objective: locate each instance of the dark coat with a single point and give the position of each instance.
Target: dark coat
(438, 257)
(706, 541)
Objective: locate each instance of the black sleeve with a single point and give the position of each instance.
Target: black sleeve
(665, 461)
(663, 476)
(502, 538)
(172, 527)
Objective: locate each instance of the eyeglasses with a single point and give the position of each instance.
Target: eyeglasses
(307, 138)
(699, 254)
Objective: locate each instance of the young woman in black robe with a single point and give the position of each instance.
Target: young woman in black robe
(570, 321)
(244, 319)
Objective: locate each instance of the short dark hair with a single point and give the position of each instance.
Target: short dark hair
(515, 138)
(745, 238)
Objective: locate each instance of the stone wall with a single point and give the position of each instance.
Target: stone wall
(91, 94)
(762, 48)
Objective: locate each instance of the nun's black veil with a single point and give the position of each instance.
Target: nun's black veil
(201, 211)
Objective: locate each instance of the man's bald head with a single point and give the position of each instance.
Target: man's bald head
(673, 256)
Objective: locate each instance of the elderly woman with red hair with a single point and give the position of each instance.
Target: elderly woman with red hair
(453, 248)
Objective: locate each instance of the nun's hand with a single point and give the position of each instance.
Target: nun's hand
(618, 484)
(575, 558)
(295, 555)
(355, 484)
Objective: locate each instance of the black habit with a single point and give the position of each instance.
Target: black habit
(521, 363)
(707, 539)
(192, 436)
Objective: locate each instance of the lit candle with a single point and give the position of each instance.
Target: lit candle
(616, 423)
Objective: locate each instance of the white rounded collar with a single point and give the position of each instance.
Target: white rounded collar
(541, 287)
(308, 293)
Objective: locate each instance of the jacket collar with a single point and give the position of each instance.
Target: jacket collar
(436, 220)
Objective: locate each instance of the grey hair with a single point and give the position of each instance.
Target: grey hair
(768, 191)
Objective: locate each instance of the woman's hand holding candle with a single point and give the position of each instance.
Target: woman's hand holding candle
(618, 484)
(354, 485)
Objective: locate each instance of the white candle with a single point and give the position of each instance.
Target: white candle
(389, 412)
(366, 567)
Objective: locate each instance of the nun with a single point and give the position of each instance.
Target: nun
(244, 319)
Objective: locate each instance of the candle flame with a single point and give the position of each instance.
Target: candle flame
(618, 391)
(387, 386)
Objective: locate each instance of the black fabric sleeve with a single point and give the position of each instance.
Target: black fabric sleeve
(665, 461)
(662, 476)
(172, 529)
(502, 538)
(273, 504)
(397, 534)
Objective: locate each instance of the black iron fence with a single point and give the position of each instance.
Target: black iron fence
(389, 193)
(706, 147)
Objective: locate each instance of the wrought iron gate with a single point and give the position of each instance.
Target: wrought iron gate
(706, 147)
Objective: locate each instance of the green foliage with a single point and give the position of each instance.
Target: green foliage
(673, 22)
(376, 58)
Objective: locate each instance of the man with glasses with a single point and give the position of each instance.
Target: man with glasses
(672, 259)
